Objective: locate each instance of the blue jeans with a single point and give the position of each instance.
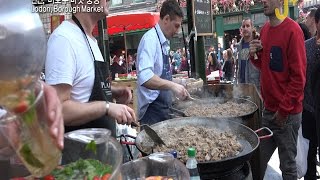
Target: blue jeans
(285, 139)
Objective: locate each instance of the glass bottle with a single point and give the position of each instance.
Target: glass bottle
(192, 164)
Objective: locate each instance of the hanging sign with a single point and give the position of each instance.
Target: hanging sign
(202, 17)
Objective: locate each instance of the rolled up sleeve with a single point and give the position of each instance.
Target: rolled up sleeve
(145, 61)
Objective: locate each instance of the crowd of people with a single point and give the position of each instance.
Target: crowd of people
(179, 60)
(282, 63)
(234, 64)
(122, 65)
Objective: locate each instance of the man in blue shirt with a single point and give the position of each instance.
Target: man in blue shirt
(155, 87)
(246, 71)
(219, 53)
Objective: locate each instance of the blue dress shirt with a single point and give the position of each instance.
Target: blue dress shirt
(149, 63)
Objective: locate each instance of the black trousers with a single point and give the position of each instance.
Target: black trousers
(309, 131)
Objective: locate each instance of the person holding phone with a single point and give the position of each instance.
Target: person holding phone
(246, 72)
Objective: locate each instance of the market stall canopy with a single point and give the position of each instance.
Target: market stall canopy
(122, 23)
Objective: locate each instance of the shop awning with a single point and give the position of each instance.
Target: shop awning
(123, 23)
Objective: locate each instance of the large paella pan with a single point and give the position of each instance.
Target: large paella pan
(215, 107)
(247, 138)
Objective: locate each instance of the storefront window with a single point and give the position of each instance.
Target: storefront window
(116, 2)
(232, 19)
(259, 18)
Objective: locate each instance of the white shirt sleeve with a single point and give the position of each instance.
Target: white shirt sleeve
(60, 61)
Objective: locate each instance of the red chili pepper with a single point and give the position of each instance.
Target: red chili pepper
(106, 177)
(49, 177)
(21, 107)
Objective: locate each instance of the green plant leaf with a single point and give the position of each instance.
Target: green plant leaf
(30, 115)
(92, 146)
(29, 157)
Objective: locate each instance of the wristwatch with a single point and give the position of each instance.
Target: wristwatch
(107, 107)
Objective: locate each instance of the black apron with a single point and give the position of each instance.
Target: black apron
(158, 110)
(101, 91)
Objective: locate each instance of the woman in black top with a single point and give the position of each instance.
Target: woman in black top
(228, 66)
(213, 62)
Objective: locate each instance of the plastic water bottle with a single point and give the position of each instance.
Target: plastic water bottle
(192, 164)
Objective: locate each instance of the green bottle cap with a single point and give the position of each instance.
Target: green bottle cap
(191, 152)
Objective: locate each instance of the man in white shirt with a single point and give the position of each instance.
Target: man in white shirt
(153, 67)
(76, 68)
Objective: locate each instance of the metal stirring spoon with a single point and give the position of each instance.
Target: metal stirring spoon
(150, 132)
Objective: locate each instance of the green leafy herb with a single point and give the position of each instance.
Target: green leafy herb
(29, 157)
(82, 168)
(31, 98)
(30, 115)
(101, 169)
(92, 146)
(68, 171)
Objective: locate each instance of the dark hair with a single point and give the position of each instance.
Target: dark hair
(214, 57)
(312, 12)
(171, 8)
(317, 15)
(305, 30)
(229, 54)
(214, 65)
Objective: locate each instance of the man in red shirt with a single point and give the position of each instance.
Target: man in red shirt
(282, 62)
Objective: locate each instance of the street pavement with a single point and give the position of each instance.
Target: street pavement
(273, 171)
